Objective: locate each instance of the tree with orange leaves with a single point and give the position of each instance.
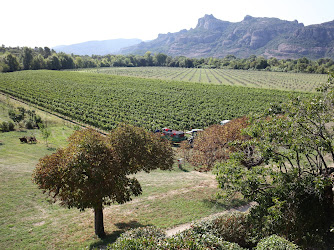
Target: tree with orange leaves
(212, 144)
(93, 170)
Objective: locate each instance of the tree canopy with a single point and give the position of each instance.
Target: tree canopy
(27, 57)
(93, 170)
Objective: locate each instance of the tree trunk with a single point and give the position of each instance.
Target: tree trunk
(99, 227)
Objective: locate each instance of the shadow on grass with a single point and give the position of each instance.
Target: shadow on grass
(51, 149)
(111, 238)
(225, 204)
(183, 169)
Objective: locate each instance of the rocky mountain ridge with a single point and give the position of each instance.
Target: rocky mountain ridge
(261, 36)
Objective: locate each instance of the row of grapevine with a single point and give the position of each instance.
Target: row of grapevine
(258, 79)
(103, 100)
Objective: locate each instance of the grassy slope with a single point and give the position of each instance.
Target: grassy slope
(29, 221)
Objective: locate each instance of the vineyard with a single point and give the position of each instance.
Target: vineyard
(103, 100)
(255, 79)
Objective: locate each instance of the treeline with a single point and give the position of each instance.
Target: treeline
(24, 58)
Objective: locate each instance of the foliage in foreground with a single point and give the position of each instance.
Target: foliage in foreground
(93, 170)
(294, 189)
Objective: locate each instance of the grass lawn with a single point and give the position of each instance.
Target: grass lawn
(30, 221)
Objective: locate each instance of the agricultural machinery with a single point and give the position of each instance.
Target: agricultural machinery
(172, 135)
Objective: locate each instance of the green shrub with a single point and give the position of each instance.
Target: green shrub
(38, 119)
(229, 227)
(234, 228)
(6, 126)
(150, 238)
(134, 244)
(139, 238)
(190, 239)
(205, 226)
(144, 232)
(16, 115)
(275, 242)
(10, 126)
(29, 124)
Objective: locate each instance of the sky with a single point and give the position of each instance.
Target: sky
(50, 23)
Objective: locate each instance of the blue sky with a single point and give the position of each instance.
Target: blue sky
(62, 22)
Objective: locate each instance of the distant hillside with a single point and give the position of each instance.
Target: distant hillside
(97, 47)
(269, 37)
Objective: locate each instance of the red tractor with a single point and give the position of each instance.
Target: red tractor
(173, 135)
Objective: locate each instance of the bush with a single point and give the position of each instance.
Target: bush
(134, 244)
(11, 126)
(144, 232)
(152, 238)
(6, 126)
(139, 238)
(229, 227)
(234, 228)
(190, 239)
(275, 242)
(16, 115)
(29, 124)
(38, 119)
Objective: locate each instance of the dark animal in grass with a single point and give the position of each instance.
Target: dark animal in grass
(31, 139)
(27, 139)
(23, 139)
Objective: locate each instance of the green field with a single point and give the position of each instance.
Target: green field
(104, 100)
(247, 78)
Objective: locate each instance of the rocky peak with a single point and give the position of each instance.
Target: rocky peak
(265, 36)
(248, 18)
(209, 22)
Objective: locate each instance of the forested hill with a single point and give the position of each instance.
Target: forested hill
(268, 37)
